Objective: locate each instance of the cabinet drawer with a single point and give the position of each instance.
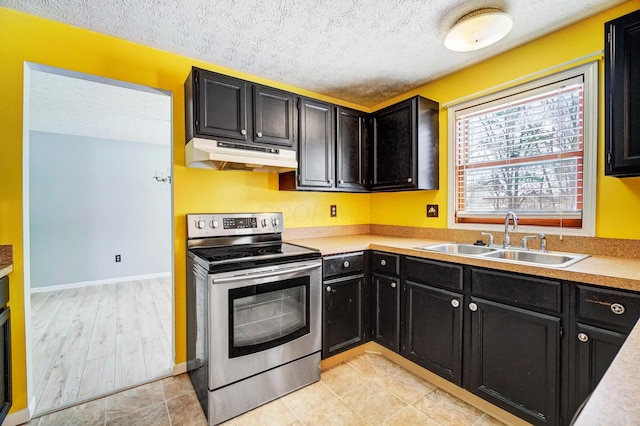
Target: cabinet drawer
(386, 262)
(342, 264)
(432, 272)
(537, 293)
(609, 307)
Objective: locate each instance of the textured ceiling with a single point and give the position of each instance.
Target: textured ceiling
(364, 51)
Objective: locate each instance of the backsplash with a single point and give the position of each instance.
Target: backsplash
(6, 254)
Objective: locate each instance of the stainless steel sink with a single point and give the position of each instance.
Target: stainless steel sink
(553, 259)
(548, 259)
(455, 248)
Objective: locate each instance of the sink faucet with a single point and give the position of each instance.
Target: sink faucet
(543, 243)
(487, 234)
(506, 241)
(525, 239)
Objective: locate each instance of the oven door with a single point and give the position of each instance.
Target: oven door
(262, 318)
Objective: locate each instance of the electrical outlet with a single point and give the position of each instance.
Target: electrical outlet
(432, 210)
(334, 210)
(118, 258)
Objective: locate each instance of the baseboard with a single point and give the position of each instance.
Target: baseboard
(180, 368)
(21, 416)
(98, 282)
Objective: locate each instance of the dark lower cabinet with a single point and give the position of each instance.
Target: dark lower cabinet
(386, 300)
(514, 360)
(5, 349)
(432, 330)
(593, 350)
(343, 309)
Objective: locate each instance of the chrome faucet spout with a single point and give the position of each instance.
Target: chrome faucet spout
(506, 241)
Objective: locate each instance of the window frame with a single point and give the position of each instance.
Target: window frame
(589, 71)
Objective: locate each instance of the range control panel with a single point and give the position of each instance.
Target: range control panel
(229, 224)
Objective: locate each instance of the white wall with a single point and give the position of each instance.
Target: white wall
(91, 199)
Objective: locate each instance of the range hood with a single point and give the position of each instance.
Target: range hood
(218, 155)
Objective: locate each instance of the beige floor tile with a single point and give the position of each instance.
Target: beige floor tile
(375, 365)
(337, 414)
(343, 379)
(374, 402)
(124, 403)
(487, 420)
(152, 415)
(411, 416)
(447, 409)
(275, 413)
(185, 410)
(176, 386)
(308, 398)
(89, 413)
(407, 386)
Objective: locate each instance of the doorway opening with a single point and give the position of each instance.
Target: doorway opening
(98, 236)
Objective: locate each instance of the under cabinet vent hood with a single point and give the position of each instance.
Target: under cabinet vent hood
(217, 155)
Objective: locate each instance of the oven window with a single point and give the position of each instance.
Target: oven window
(267, 315)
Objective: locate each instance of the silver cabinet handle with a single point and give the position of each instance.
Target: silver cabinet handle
(410, 180)
(393, 285)
(383, 262)
(617, 308)
(340, 181)
(328, 289)
(243, 132)
(455, 303)
(583, 337)
(346, 264)
(259, 134)
(473, 307)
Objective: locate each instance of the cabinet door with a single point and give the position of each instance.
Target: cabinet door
(350, 149)
(387, 314)
(273, 116)
(515, 360)
(622, 96)
(317, 137)
(594, 349)
(222, 106)
(395, 147)
(432, 329)
(343, 325)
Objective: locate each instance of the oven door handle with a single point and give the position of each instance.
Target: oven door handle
(265, 274)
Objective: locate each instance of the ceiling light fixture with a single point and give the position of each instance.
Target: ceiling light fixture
(478, 29)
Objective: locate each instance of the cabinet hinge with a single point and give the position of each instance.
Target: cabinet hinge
(608, 158)
(609, 37)
(561, 332)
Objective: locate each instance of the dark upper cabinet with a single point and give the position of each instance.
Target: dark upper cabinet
(230, 109)
(273, 116)
(404, 152)
(317, 136)
(622, 96)
(351, 149)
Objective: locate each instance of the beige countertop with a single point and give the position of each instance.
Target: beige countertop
(616, 399)
(615, 272)
(6, 260)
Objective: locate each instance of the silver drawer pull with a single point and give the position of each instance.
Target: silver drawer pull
(617, 308)
(346, 264)
(455, 303)
(583, 337)
(473, 307)
(383, 262)
(393, 285)
(328, 289)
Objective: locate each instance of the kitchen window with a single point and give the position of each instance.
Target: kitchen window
(530, 149)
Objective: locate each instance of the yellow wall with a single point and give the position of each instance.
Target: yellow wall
(27, 38)
(196, 190)
(618, 200)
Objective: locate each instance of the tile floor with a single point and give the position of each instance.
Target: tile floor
(366, 390)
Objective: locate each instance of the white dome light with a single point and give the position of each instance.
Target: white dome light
(478, 29)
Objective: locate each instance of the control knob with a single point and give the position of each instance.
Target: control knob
(275, 221)
(263, 222)
(214, 224)
(200, 224)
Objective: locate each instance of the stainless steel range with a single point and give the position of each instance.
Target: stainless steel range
(253, 312)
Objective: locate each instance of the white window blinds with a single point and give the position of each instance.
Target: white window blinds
(524, 153)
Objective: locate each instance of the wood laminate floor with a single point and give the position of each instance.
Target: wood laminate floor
(92, 341)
